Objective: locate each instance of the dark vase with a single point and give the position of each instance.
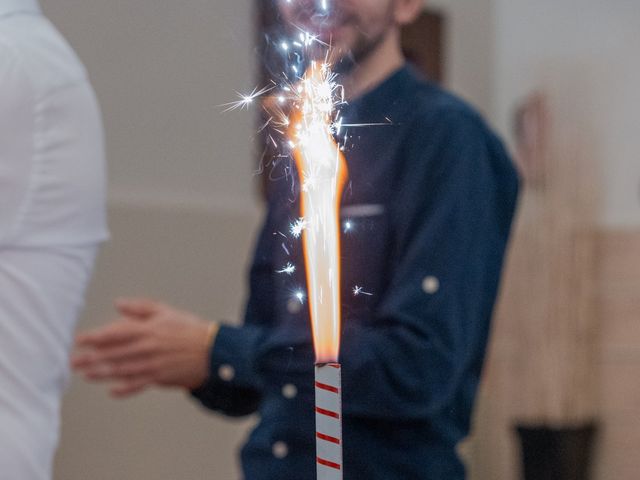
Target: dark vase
(556, 453)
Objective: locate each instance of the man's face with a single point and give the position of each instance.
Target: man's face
(353, 27)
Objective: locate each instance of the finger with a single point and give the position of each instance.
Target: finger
(120, 331)
(140, 308)
(115, 353)
(132, 387)
(98, 372)
(82, 360)
(121, 371)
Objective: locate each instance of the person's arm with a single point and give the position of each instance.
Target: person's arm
(16, 141)
(155, 344)
(452, 218)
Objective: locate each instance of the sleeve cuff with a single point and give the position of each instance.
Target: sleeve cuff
(233, 355)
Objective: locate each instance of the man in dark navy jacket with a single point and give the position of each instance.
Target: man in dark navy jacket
(426, 219)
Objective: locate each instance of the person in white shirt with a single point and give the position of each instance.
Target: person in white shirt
(52, 220)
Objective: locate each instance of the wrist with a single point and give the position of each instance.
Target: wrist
(212, 332)
(207, 339)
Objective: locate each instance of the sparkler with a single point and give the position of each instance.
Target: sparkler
(322, 171)
(310, 128)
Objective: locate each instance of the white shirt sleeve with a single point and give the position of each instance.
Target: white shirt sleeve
(17, 103)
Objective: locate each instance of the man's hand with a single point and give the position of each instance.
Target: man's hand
(150, 344)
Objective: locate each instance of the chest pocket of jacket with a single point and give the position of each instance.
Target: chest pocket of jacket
(365, 241)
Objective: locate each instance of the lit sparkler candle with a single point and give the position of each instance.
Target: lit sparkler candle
(322, 170)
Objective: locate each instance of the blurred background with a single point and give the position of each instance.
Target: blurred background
(558, 80)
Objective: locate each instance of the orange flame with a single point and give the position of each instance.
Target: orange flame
(323, 172)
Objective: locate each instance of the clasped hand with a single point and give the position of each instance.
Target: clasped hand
(150, 344)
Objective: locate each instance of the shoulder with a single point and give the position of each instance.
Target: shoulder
(447, 141)
(444, 131)
(18, 93)
(46, 59)
(437, 113)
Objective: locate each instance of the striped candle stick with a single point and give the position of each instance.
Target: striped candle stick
(328, 421)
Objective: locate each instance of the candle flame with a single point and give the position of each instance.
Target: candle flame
(323, 171)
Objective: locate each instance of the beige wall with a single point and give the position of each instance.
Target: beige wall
(469, 49)
(161, 70)
(584, 53)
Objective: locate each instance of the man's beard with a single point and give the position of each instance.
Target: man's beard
(364, 46)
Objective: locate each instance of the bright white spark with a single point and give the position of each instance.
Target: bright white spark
(300, 296)
(348, 226)
(359, 291)
(284, 46)
(289, 268)
(297, 227)
(309, 182)
(246, 99)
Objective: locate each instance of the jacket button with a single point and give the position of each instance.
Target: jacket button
(280, 449)
(226, 372)
(430, 285)
(289, 391)
(294, 306)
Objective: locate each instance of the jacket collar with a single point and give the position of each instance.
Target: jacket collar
(10, 7)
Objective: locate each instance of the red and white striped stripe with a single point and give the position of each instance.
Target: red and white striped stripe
(328, 421)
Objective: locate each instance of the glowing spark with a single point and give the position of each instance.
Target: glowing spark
(336, 127)
(309, 38)
(359, 291)
(289, 268)
(284, 46)
(347, 226)
(365, 124)
(246, 99)
(300, 296)
(309, 182)
(297, 227)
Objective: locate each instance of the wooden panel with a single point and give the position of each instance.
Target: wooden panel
(620, 388)
(615, 456)
(618, 291)
(423, 44)
(618, 300)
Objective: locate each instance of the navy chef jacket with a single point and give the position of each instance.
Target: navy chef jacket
(426, 216)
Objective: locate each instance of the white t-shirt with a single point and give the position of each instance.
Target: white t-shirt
(52, 220)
